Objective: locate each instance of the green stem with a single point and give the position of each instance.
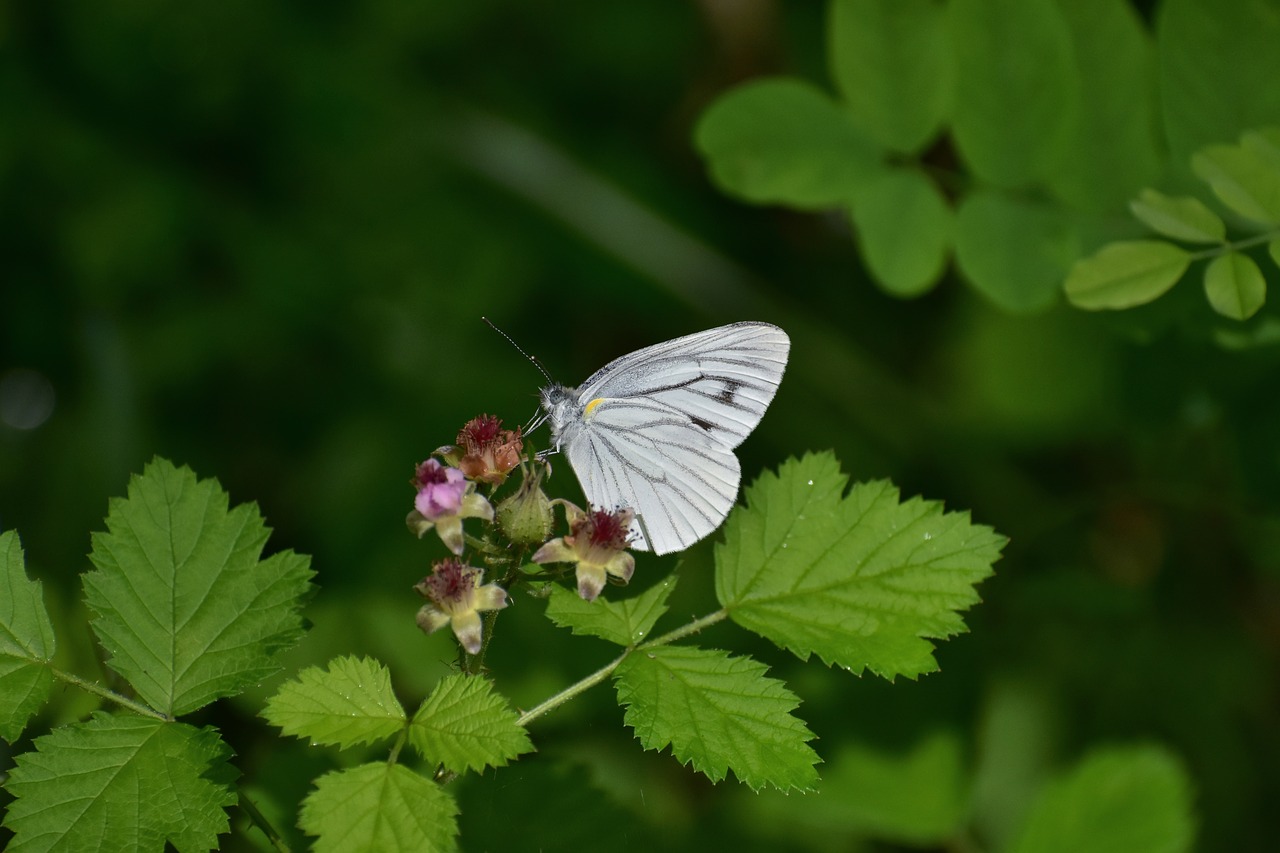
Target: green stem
(1235, 245)
(109, 695)
(258, 819)
(572, 690)
(605, 671)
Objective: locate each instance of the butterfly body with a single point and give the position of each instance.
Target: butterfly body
(655, 430)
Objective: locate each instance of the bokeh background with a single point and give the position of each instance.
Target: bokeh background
(258, 238)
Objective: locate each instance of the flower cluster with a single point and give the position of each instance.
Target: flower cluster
(447, 493)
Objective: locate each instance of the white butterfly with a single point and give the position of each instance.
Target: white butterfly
(655, 430)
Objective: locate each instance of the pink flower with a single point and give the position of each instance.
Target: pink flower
(597, 543)
(444, 499)
(440, 490)
(456, 598)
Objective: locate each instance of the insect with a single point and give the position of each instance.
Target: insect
(655, 430)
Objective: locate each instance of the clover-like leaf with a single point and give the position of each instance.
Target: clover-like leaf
(121, 783)
(863, 580)
(626, 622)
(784, 141)
(379, 806)
(1182, 218)
(26, 641)
(719, 713)
(1235, 286)
(904, 229)
(182, 603)
(465, 725)
(1125, 274)
(348, 704)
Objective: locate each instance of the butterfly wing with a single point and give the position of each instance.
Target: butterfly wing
(722, 379)
(655, 430)
(643, 454)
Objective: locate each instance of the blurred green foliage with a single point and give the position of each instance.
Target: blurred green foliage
(258, 238)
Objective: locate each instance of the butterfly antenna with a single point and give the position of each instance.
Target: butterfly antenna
(511, 341)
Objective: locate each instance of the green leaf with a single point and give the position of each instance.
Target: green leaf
(1112, 149)
(121, 783)
(904, 231)
(1182, 218)
(1125, 274)
(465, 725)
(1119, 799)
(890, 60)
(1014, 252)
(916, 798)
(719, 712)
(1218, 71)
(379, 807)
(781, 141)
(1273, 249)
(625, 622)
(1235, 286)
(1243, 179)
(1264, 144)
(26, 642)
(350, 703)
(860, 579)
(182, 603)
(1016, 88)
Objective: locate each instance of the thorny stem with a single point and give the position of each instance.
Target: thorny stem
(258, 819)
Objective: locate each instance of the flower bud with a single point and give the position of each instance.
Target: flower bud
(525, 517)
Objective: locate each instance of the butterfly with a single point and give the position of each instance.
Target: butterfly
(655, 430)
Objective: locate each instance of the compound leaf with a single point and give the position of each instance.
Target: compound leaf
(465, 725)
(348, 704)
(625, 622)
(379, 806)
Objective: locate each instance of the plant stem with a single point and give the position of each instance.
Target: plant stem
(109, 695)
(605, 671)
(258, 819)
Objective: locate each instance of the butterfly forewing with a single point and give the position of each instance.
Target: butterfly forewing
(722, 379)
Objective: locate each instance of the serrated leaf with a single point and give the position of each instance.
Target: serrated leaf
(1242, 179)
(1182, 218)
(348, 704)
(465, 725)
(1016, 87)
(1125, 274)
(625, 622)
(1116, 800)
(862, 580)
(782, 141)
(1218, 67)
(182, 603)
(26, 641)
(719, 713)
(379, 807)
(1014, 252)
(1235, 286)
(1112, 149)
(121, 783)
(904, 230)
(890, 60)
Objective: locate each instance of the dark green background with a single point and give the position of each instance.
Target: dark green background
(258, 238)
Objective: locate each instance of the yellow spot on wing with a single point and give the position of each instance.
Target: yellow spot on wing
(591, 407)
